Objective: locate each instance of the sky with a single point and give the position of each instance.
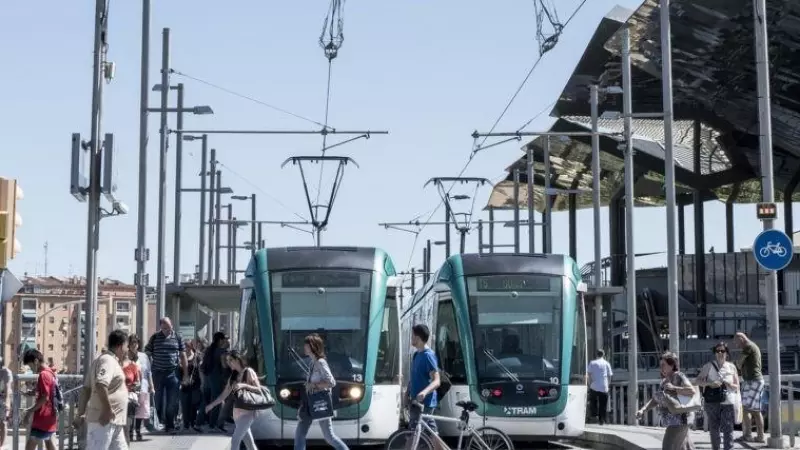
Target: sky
(428, 72)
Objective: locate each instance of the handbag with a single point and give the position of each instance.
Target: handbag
(683, 404)
(717, 394)
(252, 400)
(318, 405)
(133, 402)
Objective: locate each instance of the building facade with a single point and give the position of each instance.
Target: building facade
(48, 313)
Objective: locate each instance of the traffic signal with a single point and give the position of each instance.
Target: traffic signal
(10, 219)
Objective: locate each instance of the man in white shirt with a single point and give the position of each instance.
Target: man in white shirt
(599, 374)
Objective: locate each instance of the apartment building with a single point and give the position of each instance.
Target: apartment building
(48, 313)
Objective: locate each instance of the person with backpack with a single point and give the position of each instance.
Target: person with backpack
(43, 415)
(720, 382)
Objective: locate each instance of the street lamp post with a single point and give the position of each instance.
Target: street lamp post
(162, 184)
(253, 235)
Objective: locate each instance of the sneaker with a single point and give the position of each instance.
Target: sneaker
(139, 435)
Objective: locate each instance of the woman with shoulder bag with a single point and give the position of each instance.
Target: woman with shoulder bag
(721, 386)
(673, 384)
(243, 415)
(318, 393)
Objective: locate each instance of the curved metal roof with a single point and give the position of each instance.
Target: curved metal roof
(714, 83)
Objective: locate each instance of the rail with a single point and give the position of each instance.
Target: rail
(24, 386)
(790, 360)
(618, 404)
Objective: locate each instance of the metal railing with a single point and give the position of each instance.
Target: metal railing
(24, 387)
(618, 404)
(695, 359)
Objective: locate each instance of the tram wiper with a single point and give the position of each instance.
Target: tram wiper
(502, 366)
(298, 359)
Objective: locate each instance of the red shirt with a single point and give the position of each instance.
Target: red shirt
(45, 418)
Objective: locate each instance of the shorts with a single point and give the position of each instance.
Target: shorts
(40, 434)
(752, 391)
(414, 413)
(105, 437)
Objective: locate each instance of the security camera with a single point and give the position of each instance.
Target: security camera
(120, 208)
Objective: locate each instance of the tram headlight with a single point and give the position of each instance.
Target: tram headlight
(284, 393)
(355, 392)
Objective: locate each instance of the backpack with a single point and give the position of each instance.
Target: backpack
(57, 398)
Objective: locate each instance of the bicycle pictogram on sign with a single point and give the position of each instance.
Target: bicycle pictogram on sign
(773, 249)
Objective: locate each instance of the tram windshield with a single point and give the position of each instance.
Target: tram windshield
(333, 304)
(516, 321)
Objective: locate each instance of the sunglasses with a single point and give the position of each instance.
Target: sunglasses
(720, 350)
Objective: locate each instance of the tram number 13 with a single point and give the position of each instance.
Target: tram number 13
(358, 378)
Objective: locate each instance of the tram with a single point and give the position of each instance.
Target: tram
(510, 334)
(344, 295)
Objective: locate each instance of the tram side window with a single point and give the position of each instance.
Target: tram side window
(388, 357)
(579, 361)
(448, 343)
(251, 337)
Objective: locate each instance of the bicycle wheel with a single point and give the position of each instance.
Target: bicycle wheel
(492, 437)
(404, 440)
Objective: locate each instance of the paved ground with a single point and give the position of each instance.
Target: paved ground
(649, 438)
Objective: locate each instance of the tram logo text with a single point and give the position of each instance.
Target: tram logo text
(519, 410)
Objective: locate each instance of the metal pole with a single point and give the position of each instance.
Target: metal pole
(162, 179)
(446, 229)
(218, 227)
(548, 208)
(229, 237)
(260, 239)
(176, 248)
(480, 238)
(531, 204)
(318, 234)
(95, 171)
(598, 264)
(491, 230)
(430, 269)
(212, 229)
(234, 243)
(204, 161)
(669, 179)
(633, 338)
(768, 194)
(253, 235)
(141, 253)
(516, 211)
(463, 244)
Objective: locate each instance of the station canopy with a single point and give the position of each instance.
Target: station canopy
(714, 87)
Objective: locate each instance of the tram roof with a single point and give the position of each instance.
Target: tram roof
(311, 258)
(712, 85)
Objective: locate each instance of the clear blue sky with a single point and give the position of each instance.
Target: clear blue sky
(430, 72)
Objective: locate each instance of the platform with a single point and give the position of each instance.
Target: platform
(159, 441)
(649, 438)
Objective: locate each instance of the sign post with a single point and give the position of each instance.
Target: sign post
(773, 249)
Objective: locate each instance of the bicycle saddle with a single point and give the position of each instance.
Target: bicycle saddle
(467, 405)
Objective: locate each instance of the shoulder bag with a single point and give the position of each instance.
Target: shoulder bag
(717, 394)
(683, 404)
(319, 404)
(250, 400)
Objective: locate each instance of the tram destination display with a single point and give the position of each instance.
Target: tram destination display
(521, 283)
(329, 279)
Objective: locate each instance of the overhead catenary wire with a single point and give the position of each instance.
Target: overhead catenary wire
(251, 99)
(494, 125)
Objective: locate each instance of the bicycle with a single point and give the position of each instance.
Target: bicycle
(476, 440)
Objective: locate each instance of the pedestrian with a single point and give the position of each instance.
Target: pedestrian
(246, 378)
(424, 380)
(191, 391)
(320, 379)
(167, 354)
(752, 387)
(42, 416)
(213, 371)
(142, 413)
(133, 382)
(673, 383)
(720, 383)
(599, 373)
(104, 400)
(6, 378)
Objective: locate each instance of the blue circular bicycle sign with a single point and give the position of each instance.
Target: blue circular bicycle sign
(773, 249)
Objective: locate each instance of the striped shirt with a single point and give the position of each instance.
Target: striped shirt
(164, 351)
